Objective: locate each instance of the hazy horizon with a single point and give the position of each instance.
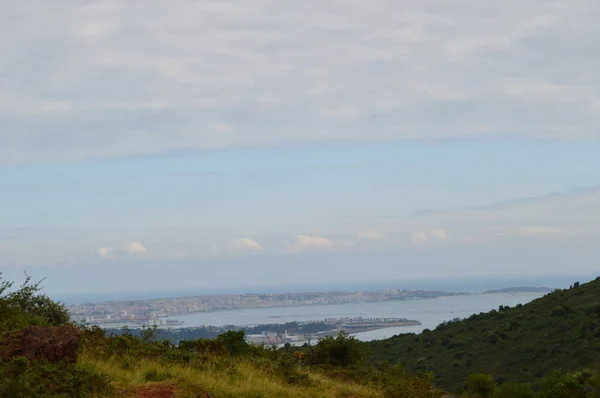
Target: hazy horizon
(451, 285)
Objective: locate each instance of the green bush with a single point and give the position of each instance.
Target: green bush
(398, 384)
(287, 367)
(156, 375)
(343, 351)
(580, 384)
(235, 342)
(205, 348)
(513, 390)
(20, 377)
(481, 384)
(26, 306)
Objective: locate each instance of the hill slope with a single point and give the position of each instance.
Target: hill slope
(558, 331)
(43, 354)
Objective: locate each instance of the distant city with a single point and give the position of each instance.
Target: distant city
(136, 313)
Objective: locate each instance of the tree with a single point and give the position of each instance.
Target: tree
(343, 351)
(481, 384)
(513, 390)
(26, 306)
(566, 385)
(235, 342)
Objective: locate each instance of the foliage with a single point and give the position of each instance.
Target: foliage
(342, 351)
(481, 385)
(20, 377)
(398, 384)
(527, 338)
(26, 306)
(234, 342)
(513, 390)
(577, 384)
(205, 348)
(176, 335)
(560, 331)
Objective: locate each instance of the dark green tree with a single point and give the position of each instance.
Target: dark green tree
(235, 342)
(26, 306)
(481, 384)
(342, 351)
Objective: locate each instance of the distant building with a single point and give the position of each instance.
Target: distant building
(267, 338)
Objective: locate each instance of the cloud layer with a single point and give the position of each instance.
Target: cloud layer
(308, 243)
(568, 221)
(246, 245)
(91, 79)
(131, 249)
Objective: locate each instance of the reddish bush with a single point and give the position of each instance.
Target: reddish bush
(36, 342)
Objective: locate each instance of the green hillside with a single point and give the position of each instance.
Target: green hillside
(43, 354)
(560, 331)
(545, 344)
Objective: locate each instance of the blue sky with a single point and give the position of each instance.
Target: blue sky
(213, 144)
(247, 187)
(369, 211)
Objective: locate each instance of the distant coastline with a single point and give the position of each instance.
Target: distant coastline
(463, 284)
(523, 289)
(137, 313)
(426, 314)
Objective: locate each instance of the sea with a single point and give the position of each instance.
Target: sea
(430, 312)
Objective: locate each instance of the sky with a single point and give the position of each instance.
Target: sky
(229, 144)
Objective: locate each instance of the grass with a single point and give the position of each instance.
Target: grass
(551, 344)
(241, 378)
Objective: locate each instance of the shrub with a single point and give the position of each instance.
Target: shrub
(558, 311)
(481, 384)
(26, 306)
(513, 390)
(20, 377)
(287, 368)
(343, 351)
(205, 348)
(156, 375)
(567, 385)
(234, 342)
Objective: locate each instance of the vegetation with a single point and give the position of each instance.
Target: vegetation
(560, 331)
(120, 365)
(210, 332)
(487, 355)
(20, 377)
(26, 306)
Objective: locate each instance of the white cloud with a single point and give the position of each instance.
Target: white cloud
(134, 248)
(419, 238)
(130, 249)
(106, 252)
(437, 234)
(561, 220)
(424, 237)
(247, 244)
(129, 77)
(308, 243)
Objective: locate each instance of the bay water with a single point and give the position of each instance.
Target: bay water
(430, 312)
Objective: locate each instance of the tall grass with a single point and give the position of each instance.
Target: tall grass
(237, 378)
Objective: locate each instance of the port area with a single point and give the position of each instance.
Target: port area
(349, 325)
(136, 323)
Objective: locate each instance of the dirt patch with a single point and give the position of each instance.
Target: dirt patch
(161, 391)
(156, 391)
